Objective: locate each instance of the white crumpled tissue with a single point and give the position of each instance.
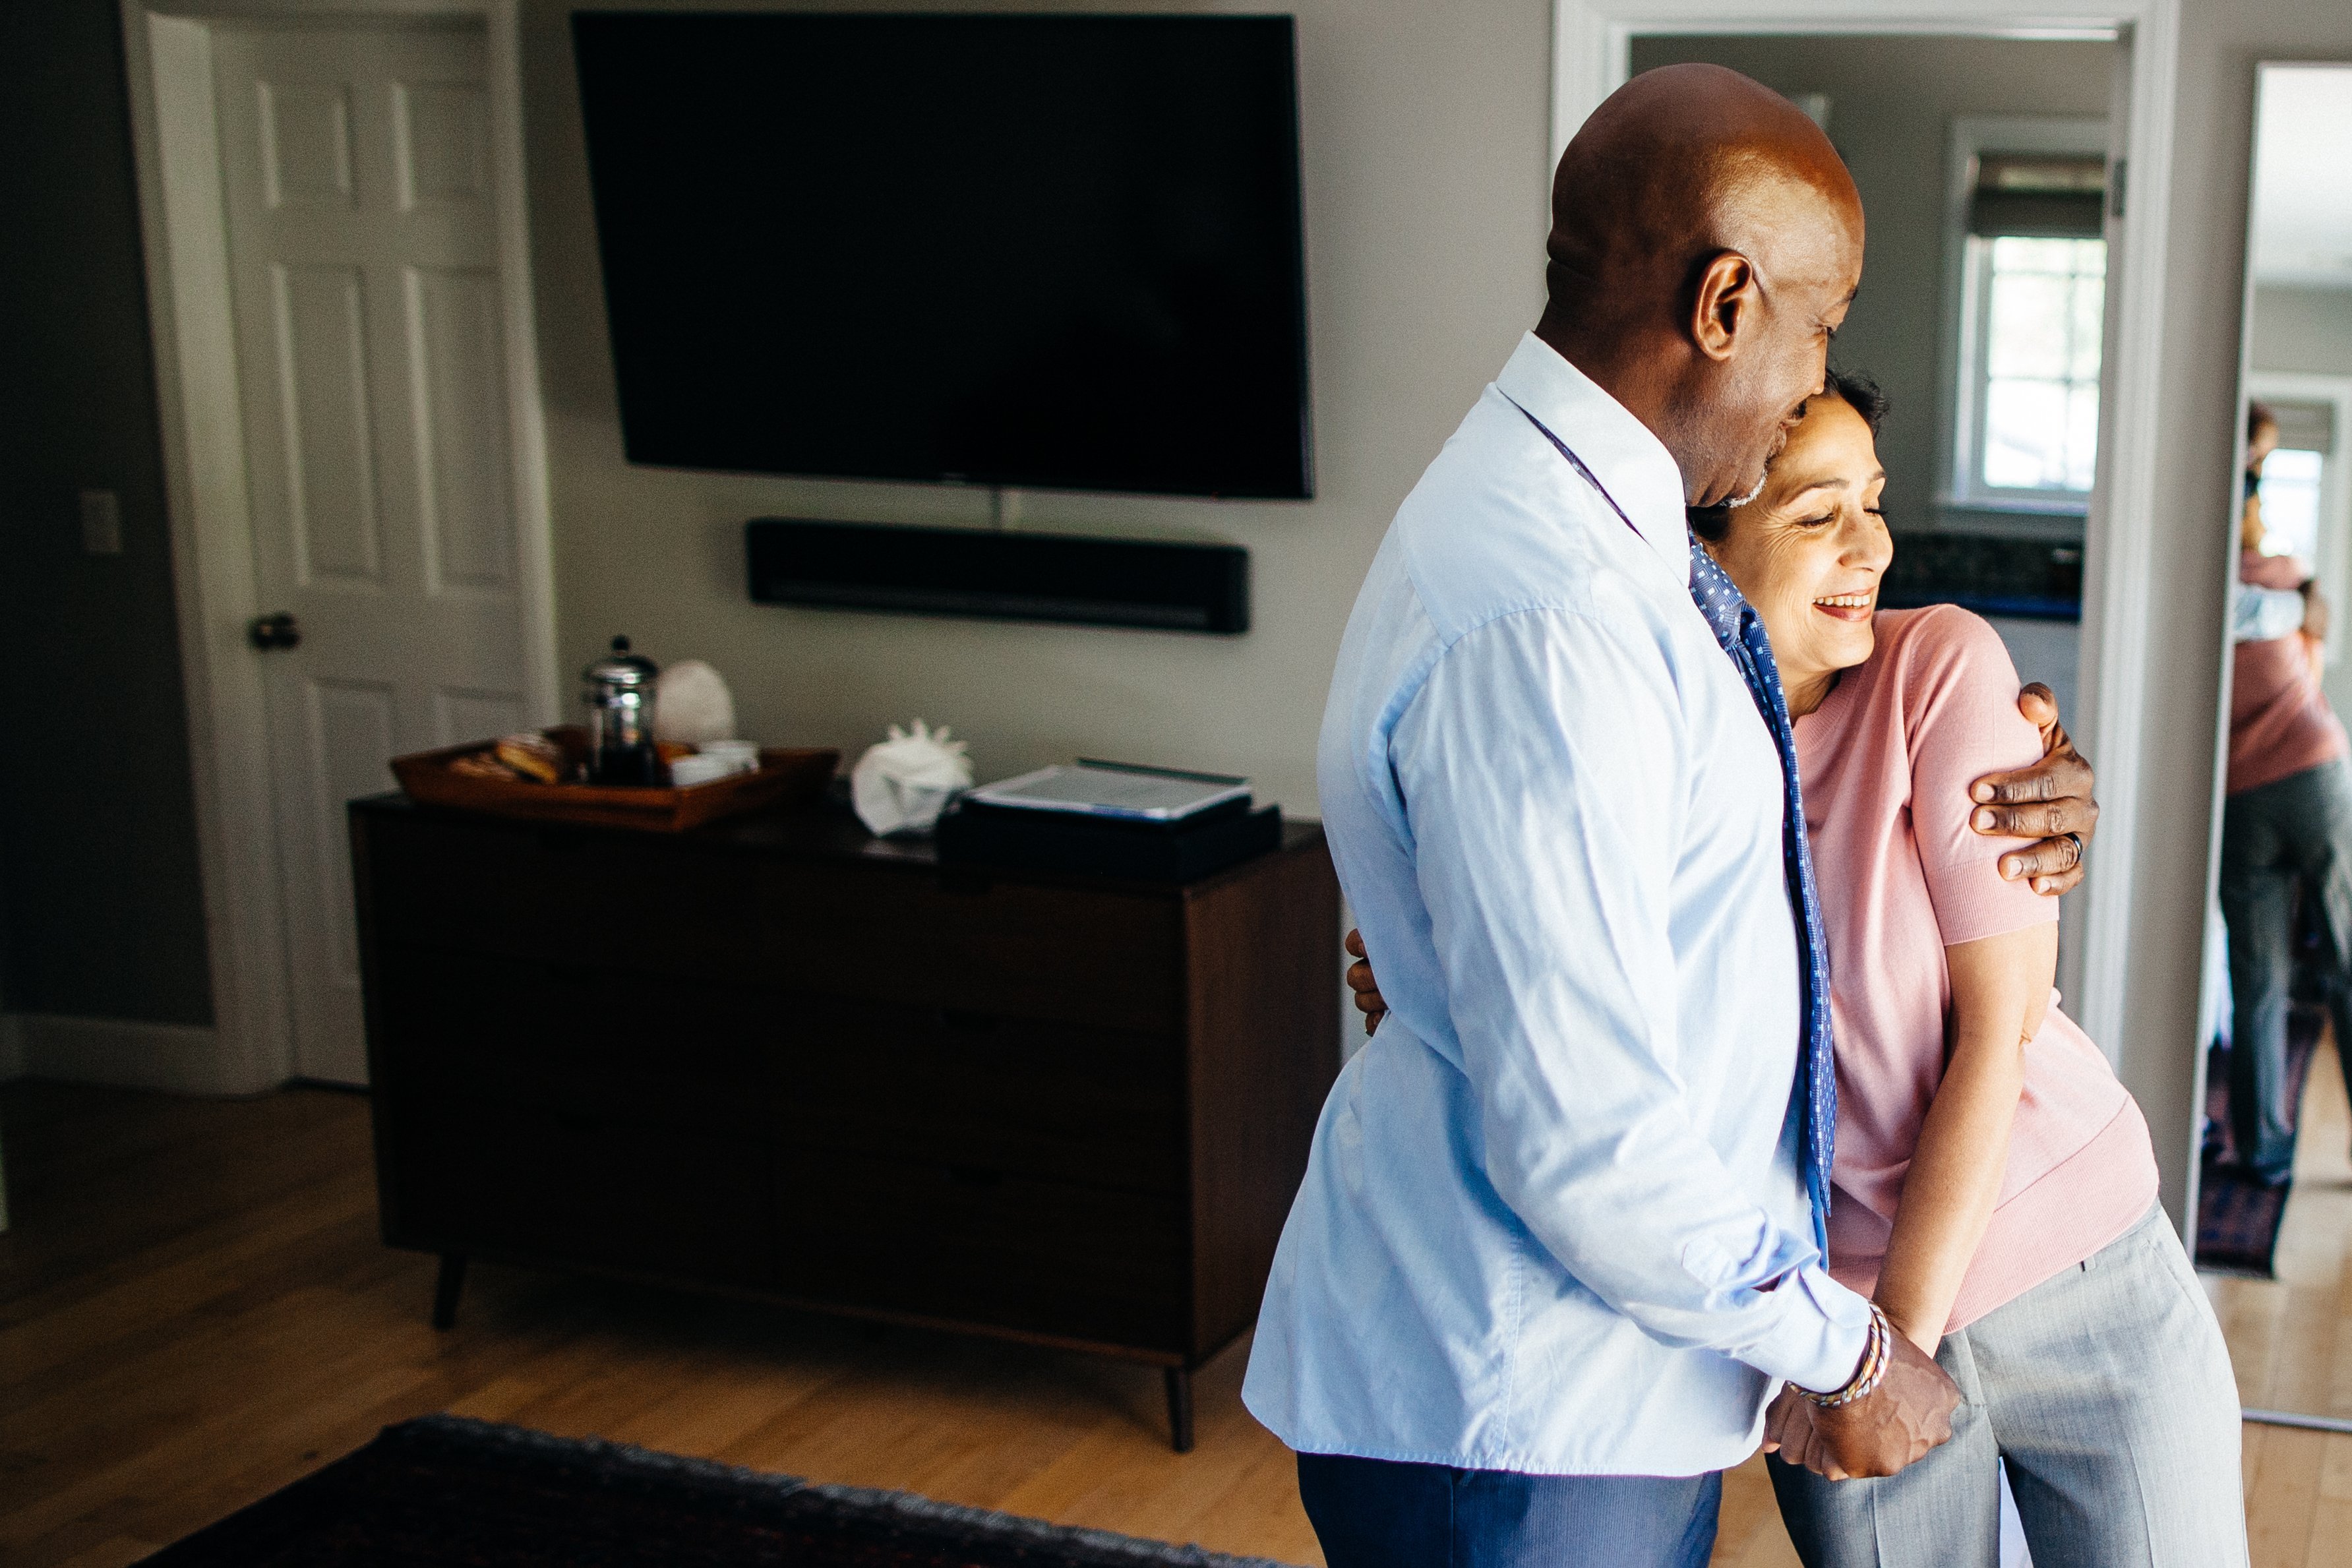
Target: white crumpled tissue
(902, 785)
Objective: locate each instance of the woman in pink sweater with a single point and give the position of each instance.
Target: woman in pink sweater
(1994, 1189)
(2286, 827)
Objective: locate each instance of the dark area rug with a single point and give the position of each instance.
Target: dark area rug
(446, 1493)
(2238, 1220)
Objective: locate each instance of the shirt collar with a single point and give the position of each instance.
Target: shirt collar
(1630, 463)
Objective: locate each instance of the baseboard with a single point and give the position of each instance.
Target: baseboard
(179, 1059)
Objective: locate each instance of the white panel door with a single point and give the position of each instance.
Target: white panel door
(363, 254)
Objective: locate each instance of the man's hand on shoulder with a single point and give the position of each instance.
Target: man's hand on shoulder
(2049, 801)
(1909, 1413)
(1360, 979)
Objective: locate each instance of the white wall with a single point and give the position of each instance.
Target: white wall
(1424, 127)
(2304, 330)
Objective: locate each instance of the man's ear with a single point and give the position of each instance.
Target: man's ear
(1726, 304)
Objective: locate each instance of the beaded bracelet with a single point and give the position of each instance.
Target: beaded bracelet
(1875, 1359)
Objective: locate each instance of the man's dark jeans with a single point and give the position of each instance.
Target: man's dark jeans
(1377, 1513)
(2293, 834)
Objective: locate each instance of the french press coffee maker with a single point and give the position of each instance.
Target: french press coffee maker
(620, 699)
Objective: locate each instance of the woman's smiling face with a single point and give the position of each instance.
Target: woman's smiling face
(1810, 550)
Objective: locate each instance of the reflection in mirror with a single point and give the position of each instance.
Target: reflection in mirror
(2276, 1187)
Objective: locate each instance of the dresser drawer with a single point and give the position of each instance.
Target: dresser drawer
(689, 909)
(982, 1247)
(1059, 1100)
(452, 1025)
(959, 1088)
(630, 903)
(549, 1186)
(1077, 955)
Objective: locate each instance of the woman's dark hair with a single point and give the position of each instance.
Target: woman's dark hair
(2258, 416)
(1860, 394)
(1854, 389)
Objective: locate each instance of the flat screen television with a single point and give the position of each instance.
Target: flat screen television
(1043, 252)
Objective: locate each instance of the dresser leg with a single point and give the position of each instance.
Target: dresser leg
(1180, 1407)
(445, 1287)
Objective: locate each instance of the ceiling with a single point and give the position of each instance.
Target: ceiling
(2303, 177)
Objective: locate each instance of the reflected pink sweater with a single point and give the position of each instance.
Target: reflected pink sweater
(1887, 759)
(2280, 724)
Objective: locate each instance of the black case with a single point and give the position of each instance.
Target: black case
(1024, 839)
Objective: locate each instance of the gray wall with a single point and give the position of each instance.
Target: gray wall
(1426, 163)
(1892, 104)
(98, 856)
(2303, 330)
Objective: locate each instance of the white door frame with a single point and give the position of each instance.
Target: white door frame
(1591, 43)
(167, 48)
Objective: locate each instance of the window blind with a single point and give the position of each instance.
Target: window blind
(2305, 426)
(2041, 195)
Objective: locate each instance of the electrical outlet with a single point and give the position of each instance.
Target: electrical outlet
(101, 522)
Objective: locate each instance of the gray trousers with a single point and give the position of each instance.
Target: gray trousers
(2107, 1389)
(2295, 833)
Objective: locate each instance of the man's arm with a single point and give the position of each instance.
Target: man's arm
(2049, 802)
(2257, 570)
(1544, 779)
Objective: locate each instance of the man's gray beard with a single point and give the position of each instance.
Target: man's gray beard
(1761, 480)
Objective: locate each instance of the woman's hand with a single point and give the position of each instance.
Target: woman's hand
(1367, 989)
(2049, 802)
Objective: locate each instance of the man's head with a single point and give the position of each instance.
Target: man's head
(1706, 242)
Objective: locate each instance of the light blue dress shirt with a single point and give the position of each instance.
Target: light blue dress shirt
(1553, 1220)
(2264, 615)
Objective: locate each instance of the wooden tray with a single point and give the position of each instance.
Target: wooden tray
(786, 778)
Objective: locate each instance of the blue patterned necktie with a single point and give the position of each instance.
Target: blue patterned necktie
(1740, 631)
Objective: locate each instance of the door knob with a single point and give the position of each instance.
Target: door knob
(273, 632)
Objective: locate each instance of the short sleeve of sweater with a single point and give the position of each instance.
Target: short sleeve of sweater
(1959, 697)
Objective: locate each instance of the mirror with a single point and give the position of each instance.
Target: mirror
(2274, 1211)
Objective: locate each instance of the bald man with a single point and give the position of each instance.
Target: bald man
(1560, 1239)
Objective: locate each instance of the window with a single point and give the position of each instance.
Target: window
(2029, 273)
(2306, 493)
(2044, 301)
(2291, 502)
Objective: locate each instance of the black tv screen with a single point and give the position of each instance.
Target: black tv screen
(1058, 252)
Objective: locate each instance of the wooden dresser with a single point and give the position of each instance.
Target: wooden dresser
(783, 1057)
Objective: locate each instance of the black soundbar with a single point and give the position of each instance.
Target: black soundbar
(1150, 583)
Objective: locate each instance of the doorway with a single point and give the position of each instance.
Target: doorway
(1982, 310)
(1983, 316)
(335, 245)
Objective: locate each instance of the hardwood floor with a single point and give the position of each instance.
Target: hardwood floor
(195, 1310)
(2291, 1340)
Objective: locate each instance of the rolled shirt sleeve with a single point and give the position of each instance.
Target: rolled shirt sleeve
(1543, 769)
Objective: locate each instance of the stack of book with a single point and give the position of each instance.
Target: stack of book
(1111, 819)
